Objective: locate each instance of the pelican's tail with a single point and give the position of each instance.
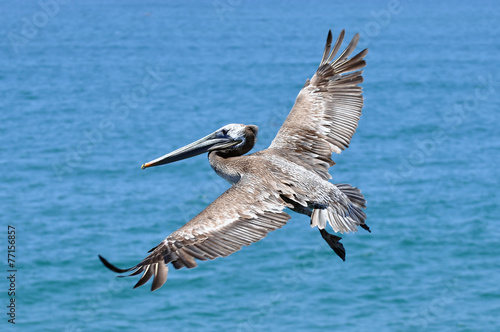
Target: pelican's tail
(357, 204)
(344, 212)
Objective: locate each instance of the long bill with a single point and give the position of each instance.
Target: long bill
(205, 144)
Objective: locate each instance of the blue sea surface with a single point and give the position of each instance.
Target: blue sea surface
(91, 90)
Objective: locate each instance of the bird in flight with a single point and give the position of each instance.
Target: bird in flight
(291, 173)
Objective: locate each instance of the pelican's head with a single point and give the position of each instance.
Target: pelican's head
(230, 140)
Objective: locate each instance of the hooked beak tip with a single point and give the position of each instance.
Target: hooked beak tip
(144, 166)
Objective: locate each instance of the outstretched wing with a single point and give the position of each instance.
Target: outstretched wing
(244, 214)
(326, 111)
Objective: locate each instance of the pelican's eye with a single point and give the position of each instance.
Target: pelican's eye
(224, 132)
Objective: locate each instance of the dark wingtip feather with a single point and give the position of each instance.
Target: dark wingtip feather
(111, 266)
(160, 276)
(336, 48)
(150, 250)
(138, 271)
(145, 277)
(328, 46)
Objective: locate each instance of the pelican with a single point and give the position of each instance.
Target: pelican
(291, 173)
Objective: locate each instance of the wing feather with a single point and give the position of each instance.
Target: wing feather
(244, 214)
(326, 111)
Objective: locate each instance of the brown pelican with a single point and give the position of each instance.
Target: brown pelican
(292, 173)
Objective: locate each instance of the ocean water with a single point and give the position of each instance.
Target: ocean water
(90, 91)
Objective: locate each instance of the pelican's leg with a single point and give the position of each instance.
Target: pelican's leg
(302, 210)
(318, 206)
(332, 240)
(297, 207)
(334, 243)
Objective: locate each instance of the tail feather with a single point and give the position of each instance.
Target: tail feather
(365, 226)
(353, 193)
(358, 204)
(319, 217)
(344, 212)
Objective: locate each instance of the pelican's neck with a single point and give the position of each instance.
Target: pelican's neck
(226, 167)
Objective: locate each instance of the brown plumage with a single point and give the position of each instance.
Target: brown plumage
(291, 173)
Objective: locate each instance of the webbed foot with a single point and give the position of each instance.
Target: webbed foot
(334, 243)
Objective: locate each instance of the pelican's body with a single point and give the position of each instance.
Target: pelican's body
(291, 173)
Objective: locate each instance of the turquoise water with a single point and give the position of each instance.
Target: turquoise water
(94, 90)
